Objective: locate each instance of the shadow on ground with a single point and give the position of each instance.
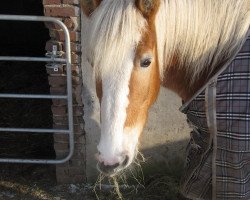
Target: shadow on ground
(151, 181)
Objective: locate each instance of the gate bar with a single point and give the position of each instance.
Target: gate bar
(35, 130)
(67, 60)
(31, 59)
(33, 96)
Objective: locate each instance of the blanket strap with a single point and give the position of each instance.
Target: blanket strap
(210, 102)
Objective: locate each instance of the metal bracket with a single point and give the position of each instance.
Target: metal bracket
(53, 54)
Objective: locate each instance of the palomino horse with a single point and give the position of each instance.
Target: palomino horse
(135, 46)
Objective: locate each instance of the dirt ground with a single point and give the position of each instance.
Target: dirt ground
(37, 182)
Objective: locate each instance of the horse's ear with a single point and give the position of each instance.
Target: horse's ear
(148, 8)
(88, 6)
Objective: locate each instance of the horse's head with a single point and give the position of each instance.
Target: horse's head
(121, 46)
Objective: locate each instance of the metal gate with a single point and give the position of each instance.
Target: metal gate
(53, 59)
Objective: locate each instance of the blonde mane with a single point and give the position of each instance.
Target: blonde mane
(115, 31)
(201, 33)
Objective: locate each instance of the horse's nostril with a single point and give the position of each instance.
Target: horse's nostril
(112, 169)
(125, 162)
(108, 168)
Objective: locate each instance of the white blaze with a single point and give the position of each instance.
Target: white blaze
(114, 141)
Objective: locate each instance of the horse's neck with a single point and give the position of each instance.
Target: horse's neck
(177, 81)
(215, 46)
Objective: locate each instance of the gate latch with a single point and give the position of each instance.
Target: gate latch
(54, 54)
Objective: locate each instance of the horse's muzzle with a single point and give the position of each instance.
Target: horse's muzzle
(111, 170)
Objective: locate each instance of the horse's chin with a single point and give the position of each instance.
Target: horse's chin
(113, 173)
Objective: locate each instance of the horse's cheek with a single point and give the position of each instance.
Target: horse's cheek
(154, 90)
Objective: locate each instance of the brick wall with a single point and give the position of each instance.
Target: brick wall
(69, 12)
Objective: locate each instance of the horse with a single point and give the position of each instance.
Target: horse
(136, 46)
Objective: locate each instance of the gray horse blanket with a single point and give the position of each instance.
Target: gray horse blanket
(218, 154)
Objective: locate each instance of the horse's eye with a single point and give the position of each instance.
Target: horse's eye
(145, 62)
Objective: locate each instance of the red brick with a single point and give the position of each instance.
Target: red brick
(58, 138)
(64, 144)
(59, 102)
(78, 156)
(71, 2)
(60, 126)
(61, 154)
(57, 80)
(77, 127)
(79, 147)
(60, 119)
(72, 171)
(72, 23)
(78, 130)
(61, 11)
(51, 71)
(51, 25)
(57, 119)
(77, 96)
(61, 146)
(76, 80)
(58, 90)
(76, 70)
(75, 47)
(51, 43)
(78, 111)
(77, 99)
(78, 120)
(63, 165)
(64, 120)
(59, 110)
(79, 139)
(59, 35)
(51, 2)
(75, 58)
